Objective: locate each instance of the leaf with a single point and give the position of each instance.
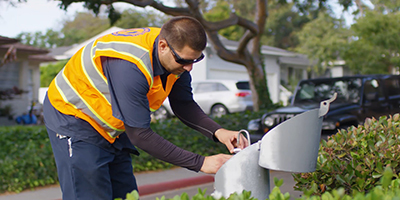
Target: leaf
(340, 179)
(278, 182)
(387, 177)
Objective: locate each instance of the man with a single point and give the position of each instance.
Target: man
(99, 106)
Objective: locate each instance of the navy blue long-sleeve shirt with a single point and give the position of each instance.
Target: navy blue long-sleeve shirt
(128, 88)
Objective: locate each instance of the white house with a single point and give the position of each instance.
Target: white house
(19, 70)
(280, 64)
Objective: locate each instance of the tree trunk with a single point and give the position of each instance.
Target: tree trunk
(259, 86)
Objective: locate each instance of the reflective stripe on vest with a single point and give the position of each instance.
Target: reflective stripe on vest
(71, 97)
(132, 50)
(98, 81)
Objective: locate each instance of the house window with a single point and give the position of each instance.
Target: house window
(9, 76)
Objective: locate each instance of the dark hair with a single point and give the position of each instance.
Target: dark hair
(184, 30)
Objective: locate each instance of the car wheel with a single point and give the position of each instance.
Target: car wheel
(218, 110)
(161, 114)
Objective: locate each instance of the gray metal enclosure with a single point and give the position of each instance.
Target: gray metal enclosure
(292, 146)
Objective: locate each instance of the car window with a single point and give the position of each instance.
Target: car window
(221, 87)
(243, 85)
(206, 87)
(372, 90)
(348, 90)
(393, 87)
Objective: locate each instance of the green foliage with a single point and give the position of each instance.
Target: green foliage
(355, 159)
(27, 160)
(222, 11)
(374, 48)
(387, 189)
(50, 39)
(84, 26)
(49, 72)
(131, 18)
(282, 24)
(322, 40)
(245, 195)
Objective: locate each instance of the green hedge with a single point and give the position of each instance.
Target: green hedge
(354, 159)
(27, 161)
(386, 188)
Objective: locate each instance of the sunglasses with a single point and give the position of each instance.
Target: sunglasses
(182, 61)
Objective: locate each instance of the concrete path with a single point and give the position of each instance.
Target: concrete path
(168, 183)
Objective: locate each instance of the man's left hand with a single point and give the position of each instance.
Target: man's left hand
(230, 138)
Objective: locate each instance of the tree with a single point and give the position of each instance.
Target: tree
(323, 39)
(248, 52)
(82, 27)
(50, 39)
(282, 25)
(375, 45)
(132, 18)
(85, 25)
(49, 72)
(370, 46)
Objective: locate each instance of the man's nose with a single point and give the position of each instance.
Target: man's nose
(188, 67)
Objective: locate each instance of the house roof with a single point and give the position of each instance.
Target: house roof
(24, 48)
(297, 60)
(6, 40)
(42, 58)
(59, 52)
(265, 49)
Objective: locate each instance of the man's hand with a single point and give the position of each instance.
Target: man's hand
(229, 138)
(212, 164)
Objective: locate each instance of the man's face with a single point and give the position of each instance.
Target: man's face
(177, 61)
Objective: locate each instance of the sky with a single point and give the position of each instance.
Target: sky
(41, 15)
(37, 15)
(34, 15)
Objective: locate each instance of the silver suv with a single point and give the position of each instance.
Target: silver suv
(215, 98)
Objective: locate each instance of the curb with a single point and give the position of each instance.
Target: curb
(172, 185)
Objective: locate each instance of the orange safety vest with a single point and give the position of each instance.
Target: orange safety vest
(81, 88)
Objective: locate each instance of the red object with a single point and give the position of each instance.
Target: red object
(242, 94)
(172, 185)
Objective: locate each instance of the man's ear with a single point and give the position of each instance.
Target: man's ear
(162, 45)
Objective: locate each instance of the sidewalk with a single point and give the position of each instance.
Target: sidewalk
(168, 183)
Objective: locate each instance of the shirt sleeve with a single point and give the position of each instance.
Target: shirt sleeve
(128, 90)
(188, 111)
(157, 146)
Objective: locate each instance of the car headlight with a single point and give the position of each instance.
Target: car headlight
(269, 121)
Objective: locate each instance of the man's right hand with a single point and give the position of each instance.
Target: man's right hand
(212, 164)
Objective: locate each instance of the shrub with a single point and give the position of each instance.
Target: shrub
(354, 159)
(386, 188)
(27, 160)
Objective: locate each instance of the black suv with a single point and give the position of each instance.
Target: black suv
(358, 97)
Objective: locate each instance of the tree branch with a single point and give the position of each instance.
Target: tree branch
(261, 20)
(174, 11)
(222, 52)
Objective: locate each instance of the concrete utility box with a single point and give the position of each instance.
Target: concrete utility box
(292, 146)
